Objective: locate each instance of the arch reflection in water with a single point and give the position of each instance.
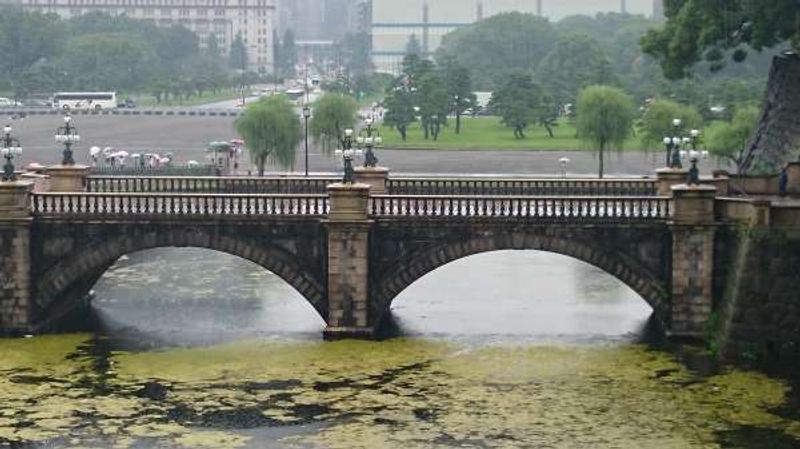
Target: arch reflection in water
(529, 295)
(199, 296)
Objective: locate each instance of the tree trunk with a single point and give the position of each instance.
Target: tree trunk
(458, 122)
(402, 130)
(777, 136)
(549, 130)
(602, 151)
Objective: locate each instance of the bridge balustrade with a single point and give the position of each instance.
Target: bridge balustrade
(395, 185)
(111, 204)
(545, 207)
(209, 184)
(511, 186)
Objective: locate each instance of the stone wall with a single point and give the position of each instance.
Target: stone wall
(758, 290)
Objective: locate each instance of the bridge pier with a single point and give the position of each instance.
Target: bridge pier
(693, 231)
(68, 178)
(349, 314)
(16, 311)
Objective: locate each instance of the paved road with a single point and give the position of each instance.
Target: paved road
(187, 137)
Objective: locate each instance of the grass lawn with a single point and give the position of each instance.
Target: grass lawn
(487, 133)
(148, 101)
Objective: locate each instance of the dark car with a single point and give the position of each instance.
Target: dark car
(128, 103)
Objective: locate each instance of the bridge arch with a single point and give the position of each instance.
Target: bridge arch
(625, 268)
(64, 284)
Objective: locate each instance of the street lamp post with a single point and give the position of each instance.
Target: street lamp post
(68, 135)
(368, 139)
(11, 147)
(306, 116)
(348, 153)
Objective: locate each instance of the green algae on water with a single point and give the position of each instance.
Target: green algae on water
(403, 393)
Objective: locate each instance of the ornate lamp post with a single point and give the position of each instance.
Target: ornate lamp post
(11, 147)
(564, 161)
(348, 153)
(306, 116)
(673, 145)
(68, 135)
(368, 139)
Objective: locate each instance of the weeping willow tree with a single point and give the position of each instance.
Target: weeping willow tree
(716, 30)
(333, 113)
(604, 119)
(271, 131)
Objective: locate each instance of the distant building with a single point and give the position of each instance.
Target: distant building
(395, 21)
(225, 19)
(317, 20)
(658, 9)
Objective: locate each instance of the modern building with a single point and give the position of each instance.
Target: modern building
(395, 21)
(225, 19)
(321, 20)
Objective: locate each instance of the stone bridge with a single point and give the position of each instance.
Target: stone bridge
(351, 250)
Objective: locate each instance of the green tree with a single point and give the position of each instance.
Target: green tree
(26, 38)
(657, 123)
(333, 113)
(500, 44)
(271, 130)
(433, 102)
(413, 46)
(399, 110)
(518, 101)
(729, 140)
(604, 119)
(458, 83)
(108, 61)
(707, 30)
(575, 62)
(238, 54)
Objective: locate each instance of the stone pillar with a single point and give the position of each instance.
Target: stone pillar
(68, 178)
(668, 177)
(16, 311)
(349, 314)
(793, 172)
(692, 260)
(375, 177)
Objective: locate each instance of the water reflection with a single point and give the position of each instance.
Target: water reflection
(196, 295)
(529, 295)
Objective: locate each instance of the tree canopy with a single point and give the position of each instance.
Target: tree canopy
(657, 122)
(498, 45)
(728, 140)
(332, 114)
(271, 131)
(518, 101)
(604, 119)
(699, 30)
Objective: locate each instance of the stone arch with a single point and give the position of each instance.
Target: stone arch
(632, 273)
(71, 278)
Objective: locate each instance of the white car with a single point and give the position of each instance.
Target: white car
(7, 102)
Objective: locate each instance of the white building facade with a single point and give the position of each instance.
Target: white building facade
(254, 19)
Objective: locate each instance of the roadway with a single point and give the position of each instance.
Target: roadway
(187, 138)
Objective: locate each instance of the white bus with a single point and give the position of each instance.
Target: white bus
(85, 100)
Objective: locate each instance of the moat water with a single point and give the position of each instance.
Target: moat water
(196, 349)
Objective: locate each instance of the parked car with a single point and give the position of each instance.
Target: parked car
(7, 102)
(128, 103)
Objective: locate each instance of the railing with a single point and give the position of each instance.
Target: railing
(545, 207)
(113, 204)
(396, 186)
(175, 170)
(511, 186)
(209, 184)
